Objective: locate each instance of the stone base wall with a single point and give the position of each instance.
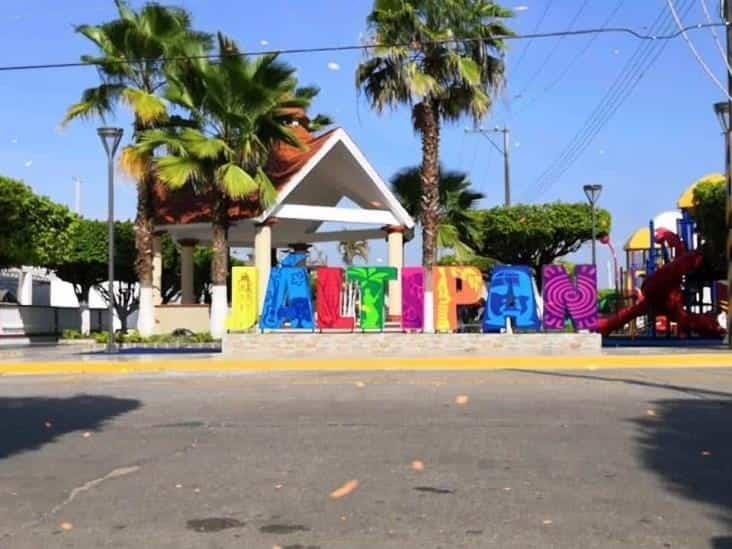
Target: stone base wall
(311, 346)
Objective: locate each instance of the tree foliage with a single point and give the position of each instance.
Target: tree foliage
(710, 205)
(457, 226)
(84, 263)
(425, 65)
(537, 235)
(33, 228)
(241, 109)
(352, 249)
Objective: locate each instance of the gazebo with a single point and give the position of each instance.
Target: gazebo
(331, 181)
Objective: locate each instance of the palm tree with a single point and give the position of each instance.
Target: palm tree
(442, 58)
(457, 224)
(132, 50)
(241, 109)
(351, 249)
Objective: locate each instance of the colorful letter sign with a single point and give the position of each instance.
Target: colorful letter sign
(511, 295)
(413, 298)
(564, 298)
(244, 305)
(454, 286)
(330, 287)
(373, 282)
(288, 297)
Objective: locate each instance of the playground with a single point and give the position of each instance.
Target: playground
(667, 291)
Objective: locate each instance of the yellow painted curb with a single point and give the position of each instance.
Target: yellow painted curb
(700, 360)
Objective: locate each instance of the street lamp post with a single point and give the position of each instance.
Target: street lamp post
(110, 140)
(592, 192)
(722, 110)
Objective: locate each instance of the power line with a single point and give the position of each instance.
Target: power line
(587, 47)
(553, 51)
(637, 67)
(564, 72)
(523, 53)
(717, 41)
(361, 47)
(631, 74)
(695, 52)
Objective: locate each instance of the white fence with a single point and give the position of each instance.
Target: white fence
(351, 300)
(34, 320)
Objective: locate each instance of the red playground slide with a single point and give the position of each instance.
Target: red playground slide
(661, 292)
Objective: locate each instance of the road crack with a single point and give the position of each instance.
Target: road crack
(116, 473)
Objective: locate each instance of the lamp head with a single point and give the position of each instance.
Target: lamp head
(592, 192)
(722, 111)
(111, 138)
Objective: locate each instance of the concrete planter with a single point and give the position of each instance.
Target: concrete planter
(399, 345)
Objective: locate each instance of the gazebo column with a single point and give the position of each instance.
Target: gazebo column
(157, 289)
(263, 257)
(395, 241)
(186, 271)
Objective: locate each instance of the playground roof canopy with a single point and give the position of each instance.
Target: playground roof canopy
(641, 239)
(686, 202)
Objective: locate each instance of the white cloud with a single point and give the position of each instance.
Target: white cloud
(334, 66)
(28, 164)
(14, 140)
(263, 43)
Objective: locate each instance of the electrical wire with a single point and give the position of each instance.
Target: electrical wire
(632, 74)
(580, 53)
(628, 79)
(695, 52)
(552, 52)
(523, 53)
(362, 47)
(587, 47)
(717, 41)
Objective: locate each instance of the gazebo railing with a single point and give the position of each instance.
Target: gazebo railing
(351, 300)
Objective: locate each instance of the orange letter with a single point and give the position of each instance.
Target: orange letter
(454, 286)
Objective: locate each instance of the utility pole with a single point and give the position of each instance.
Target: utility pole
(505, 151)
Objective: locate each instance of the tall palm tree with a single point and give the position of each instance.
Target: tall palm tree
(240, 109)
(132, 50)
(442, 58)
(457, 224)
(351, 249)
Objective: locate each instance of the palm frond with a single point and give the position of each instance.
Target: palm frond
(95, 102)
(178, 171)
(148, 107)
(235, 181)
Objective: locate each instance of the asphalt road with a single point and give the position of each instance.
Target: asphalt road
(566, 460)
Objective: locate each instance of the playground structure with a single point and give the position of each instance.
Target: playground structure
(664, 290)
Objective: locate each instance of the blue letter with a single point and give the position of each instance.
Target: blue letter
(511, 295)
(288, 297)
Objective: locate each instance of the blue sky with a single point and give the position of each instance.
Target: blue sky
(662, 138)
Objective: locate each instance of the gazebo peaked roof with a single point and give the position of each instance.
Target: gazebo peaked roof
(374, 195)
(329, 182)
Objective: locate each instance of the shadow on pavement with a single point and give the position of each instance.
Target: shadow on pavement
(630, 381)
(28, 423)
(688, 444)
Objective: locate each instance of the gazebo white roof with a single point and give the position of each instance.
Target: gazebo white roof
(337, 184)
